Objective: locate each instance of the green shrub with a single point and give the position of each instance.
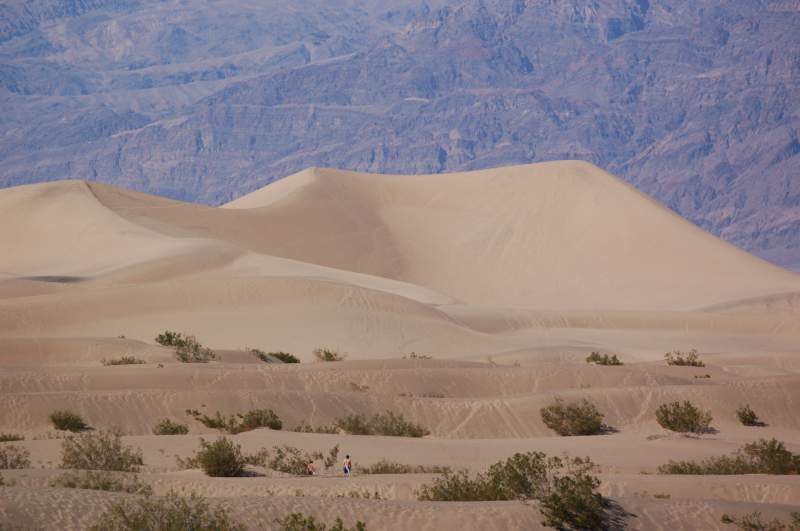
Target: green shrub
(308, 428)
(171, 339)
(580, 418)
(754, 522)
(604, 359)
(284, 357)
(167, 427)
(257, 418)
(381, 424)
(99, 451)
(14, 457)
(124, 360)
(565, 488)
(687, 359)
(683, 417)
(68, 420)
(222, 458)
(94, 480)
(291, 460)
(747, 416)
(389, 467)
(326, 354)
(303, 522)
(759, 457)
(10, 437)
(193, 352)
(171, 513)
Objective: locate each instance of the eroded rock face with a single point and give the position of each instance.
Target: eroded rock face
(693, 102)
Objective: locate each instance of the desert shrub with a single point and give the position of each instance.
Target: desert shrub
(308, 428)
(566, 489)
(99, 451)
(193, 352)
(580, 418)
(221, 458)
(754, 522)
(604, 359)
(358, 388)
(171, 513)
(747, 416)
(68, 420)
(687, 359)
(124, 360)
(171, 339)
(257, 418)
(759, 457)
(303, 522)
(14, 457)
(381, 424)
(415, 356)
(10, 437)
(167, 427)
(683, 417)
(94, 480)
(291, 460)
(270, 357)
(390, 467)
(327, 354)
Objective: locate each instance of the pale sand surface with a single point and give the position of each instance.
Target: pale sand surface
(508, 278)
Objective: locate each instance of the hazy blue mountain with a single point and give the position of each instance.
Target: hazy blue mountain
(696, 103)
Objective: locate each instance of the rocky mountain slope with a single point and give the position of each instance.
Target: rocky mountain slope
(694, 103)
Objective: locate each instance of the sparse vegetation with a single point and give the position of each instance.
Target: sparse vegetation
(68, 421)
(358, 388)
(254, 419)
(566, 489)
(303, 522)
(754, 522)
(308, 428)
(394, 425)
(14, 457)
(99, 451)
(168, 427)
(759, 457)
(604, 359)
(221, 458)
(747, 416)
(686, 359)
(327, 354)
(94, 480)
(415, 356)
(683, 417)
(284, 357)
(291, 460)
(389, 467)
(171, 513)
(10, 437)
(580, 418)
(124, 360)
(187, 348)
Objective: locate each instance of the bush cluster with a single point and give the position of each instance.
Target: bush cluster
(759, 457)
(292, 460)
(14, 457)
(327, 354)
(124, 360)
(168, 427)
(254, 419)
(566, 489)
(95, 480)
(754, 522)
(747, 416)
(381, 424)
(99, 451)
(390, 467)
(683, 417)
(687, 359)
(303, 522)
(604, 359)
(187, 348)
(10, 437)
(270, 357)
(68, 421)
(171, 513)
(580, 418)
(308, 428)
(221, 458)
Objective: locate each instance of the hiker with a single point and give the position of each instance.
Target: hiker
(347, 464)
(311, 468)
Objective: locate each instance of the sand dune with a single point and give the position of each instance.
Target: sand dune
(506, 278)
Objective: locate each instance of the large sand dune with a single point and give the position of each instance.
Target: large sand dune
(507, 277)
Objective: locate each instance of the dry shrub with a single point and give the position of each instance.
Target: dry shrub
(99, 451)
(579, 418)
(14, 457)
(683, 417)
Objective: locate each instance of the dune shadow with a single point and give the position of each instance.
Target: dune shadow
(57, 279)
(616, 516)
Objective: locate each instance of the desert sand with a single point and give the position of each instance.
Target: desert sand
(506, 278)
